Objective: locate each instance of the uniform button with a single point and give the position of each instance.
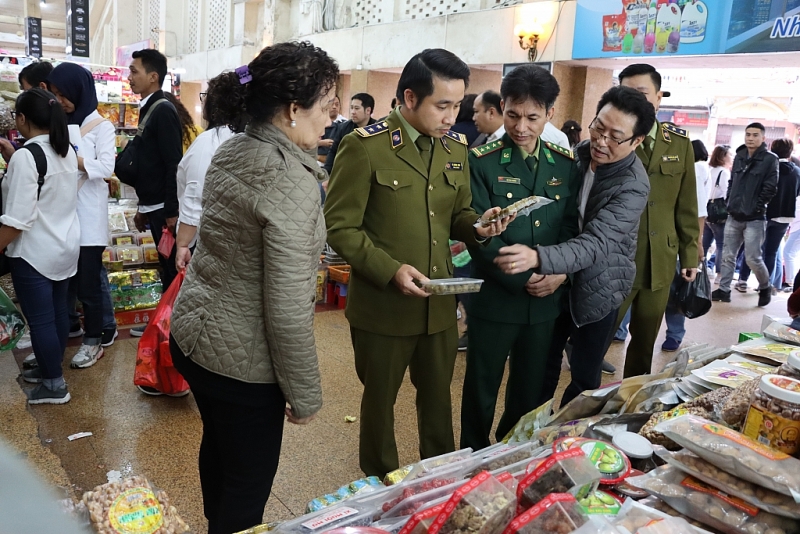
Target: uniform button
(651, 203)
(509, 195)
(430, 188)
(558, 197)
(432, 214)
(652, 233)
(435, 268)
(395, 182)
(435, 242)
(536, 224)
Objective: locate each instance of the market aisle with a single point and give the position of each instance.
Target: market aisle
(159, 437)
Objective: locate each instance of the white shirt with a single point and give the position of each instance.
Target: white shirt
(191, 174)
(154, 207)
(97, 148)
(718, 191)
(551, 134)
(583, 195)
(498, 134)
(702, 175)
(51, 234)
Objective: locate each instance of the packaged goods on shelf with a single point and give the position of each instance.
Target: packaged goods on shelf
(123, 238)
(150, 253)
(144, 238)
(358, 487)
(135, 290)
(130, 254)
(341, 515)
(774, 414)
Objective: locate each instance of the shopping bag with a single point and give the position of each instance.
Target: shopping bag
(12, 323)
(153, 359)
(694, 298)
(166, 243)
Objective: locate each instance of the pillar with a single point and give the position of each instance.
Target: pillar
(581, 89)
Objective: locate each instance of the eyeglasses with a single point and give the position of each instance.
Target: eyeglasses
(609, 140)
(203, 97)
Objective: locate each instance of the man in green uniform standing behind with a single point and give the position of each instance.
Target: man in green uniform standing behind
(668, 230)
(399, 189)
(515, 314)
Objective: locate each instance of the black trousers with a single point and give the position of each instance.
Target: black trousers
(157, 222)
(590, 343)
(87, 287)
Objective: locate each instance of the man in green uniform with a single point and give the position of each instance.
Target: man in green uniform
(514, 315)
(400, 188)
(668, 230)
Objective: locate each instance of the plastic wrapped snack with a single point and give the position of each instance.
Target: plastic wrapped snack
(109, 255)
(734, 410)
(397, 476)
(132, 505)
(481, 506)
(612, 463)
(130, 254)
(575, 428)
(337, 516)
(656, 506)
(558, 513)
(400, 493)
(145, 238)
(569, 471)
(412, 503)
(712, 400)
(452, 286)
(766, 349)
(135, 290)
(427, 466)
(735, 453)
(521, 207)
(600, 502)
(123, 239)
(530, 423)
(504, 456)
(116, 220)
(422, 520)
(150, 253)
(657, 438)
(781, 332)
(360, 486)
(711, 506)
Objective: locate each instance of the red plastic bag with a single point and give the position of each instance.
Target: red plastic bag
(166, 243)
(153, 359)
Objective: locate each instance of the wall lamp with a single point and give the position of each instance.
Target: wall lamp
(529, 38)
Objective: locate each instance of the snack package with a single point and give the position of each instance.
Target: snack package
(613, 32)
(558, 513)
(612, 463)
(722, 374)
(150, 253)
(735, 453)
(135, 290)
(499, 457)
(781, 332)
(650, 390)
(421, 521)
(529, 423)
(763, 498)
(766, 349)
(337, 516)
(734, 410)
(116, 220)
(569, 471)
(600, 502)
(662, 510)
(397, 476)
(451, 286)
(481, 506)
(586, 404)
(109, 255)
(130, 254)
(670, 525)
(131, 116)
(577, 428)
(657, 438)
(425, 467)
(520, 208)
(132, 505)
(712, 400)
(711, 506)
(123, 239)
(397, 498)
(358, 487)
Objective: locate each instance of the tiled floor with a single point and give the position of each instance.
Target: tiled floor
(159, 437)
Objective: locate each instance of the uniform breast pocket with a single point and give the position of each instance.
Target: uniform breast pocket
(393, 189)
(507, 192)
(559, 194)
(672, 168)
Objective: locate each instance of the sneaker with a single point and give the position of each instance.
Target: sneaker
(108, 337)
(608, 369)
(670, 345)
(178, 395)
(718, 295)
(138, 331)
(42, 395)
(32, 376)
(30, 362)
(764, 297)
(774, 291)
(620, 339)
(741, 287)
(462, 343)
(86, 356)
(25, 341)
(76, 331)
(149, 391)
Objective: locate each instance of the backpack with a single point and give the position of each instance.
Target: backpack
(127, 166)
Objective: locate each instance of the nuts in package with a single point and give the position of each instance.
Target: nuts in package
(568, 471)
(399, 499)
(735, 408)
(481, 506)
(132, 505)
(421, 521)
(558, 513)
(521, 207)
(657, 438)
(430, 465)
(504, 456)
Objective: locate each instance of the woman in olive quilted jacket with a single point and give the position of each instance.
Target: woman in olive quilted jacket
(243, 324)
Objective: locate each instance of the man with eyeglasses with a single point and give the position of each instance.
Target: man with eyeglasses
(668, 230)
(600, 259)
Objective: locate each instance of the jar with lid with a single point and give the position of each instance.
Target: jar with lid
(638, 449)
(774, 415)
(792, 367)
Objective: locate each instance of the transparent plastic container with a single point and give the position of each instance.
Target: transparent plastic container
(420, 522)
(123, 239)
(791, 368)
(328, 519)
(452, 286)
(394, 499)
(425, 467)
(413, 503)
(130, 255)
(504, 456)
(558, 513)
(145, 238)
(109, 255)
(481, 506)
(150, 253)
(568, 471)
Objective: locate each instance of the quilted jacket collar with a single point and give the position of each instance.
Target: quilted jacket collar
(269, 133)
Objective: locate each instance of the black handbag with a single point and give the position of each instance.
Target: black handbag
(694, 298)
(718, 208)
(126, 168)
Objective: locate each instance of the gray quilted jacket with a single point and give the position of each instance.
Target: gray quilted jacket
(602, 255)
(246, 308)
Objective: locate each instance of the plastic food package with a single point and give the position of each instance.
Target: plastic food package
(586, 404)
(135, 290)
(520, 208)
(712, 400)
(655, 508)
(422, 520)
(774, 414)
(411, 504)
(600, 502)
(427, 466)
(734, 410)
(711, 506)
(558, 513)
(109, 255)
(481, 506)
(612, 463)
(577, 428)
(397, 476)
(116, 220)
(362, 485)
(736, 454)
(150, 253)
(452, 286)
(791, 368)
(670, 525)
(766, 349)
(130, 254)
(569, 471)
(401, 493)
(529, 423)
(392, 525)
(337, 516)
(722, 374)
(781, 332)
(504, 456)
(123, 239)
(657, 438)
(132, 505)
(145, 238)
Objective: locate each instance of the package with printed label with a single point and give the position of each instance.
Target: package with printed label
(422, 520)
(342, 515)
(568, 471)
(504, 456)
(399, 498)
(481, 506)
(429, 465)
(558, 513)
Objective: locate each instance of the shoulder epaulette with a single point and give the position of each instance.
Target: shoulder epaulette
(455, 136)
(372, 129)
(488, 148)
(560, 150)
(671, 128)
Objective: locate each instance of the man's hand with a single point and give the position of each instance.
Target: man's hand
(172, 222)
(295, 421)
(325, 143)
(140, 220)
(497, 227)
(544, 286)
(689, 274)
(182, 257)
(517, 259)
(404, 280)
(6, 149)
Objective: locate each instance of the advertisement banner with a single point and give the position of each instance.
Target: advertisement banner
(124, 55)
(33, 37)
(77, 28)
(647, 28)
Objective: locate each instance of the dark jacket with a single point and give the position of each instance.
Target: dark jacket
(784, 202)
(342, 129)
(603, 255)
(753, 183)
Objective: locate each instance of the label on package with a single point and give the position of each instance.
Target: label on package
(329, 517)
(693, 483)
(772, 430)
(745, 441)
(136, 511)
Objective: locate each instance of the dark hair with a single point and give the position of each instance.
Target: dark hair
(756, 125)
(718, 155)
(700, 152)
(224, 103)
(187, 122)
(36, 73)
(366, 100)
(394, 103)
(638, 69)
(419, 72)
(530, 82)
(491, 99)
(288, 73)
(467, 109)
(573, 132)
(632, 102)
(782, 147)
(42, 109)
(153, 61)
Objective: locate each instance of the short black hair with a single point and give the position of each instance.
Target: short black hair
(36, 73)
(632, 102)
(367, 101)
(419, 72)
(700, 151)
(153, 61)
(638, 69)
(491, 99)
(782, 147)
(467, 109)
(530, 82)
(756, 125)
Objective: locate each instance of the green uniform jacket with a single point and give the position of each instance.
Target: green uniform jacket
(668, 229)
(501, 177)
(384, 210)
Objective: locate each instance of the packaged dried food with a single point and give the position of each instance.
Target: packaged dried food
(600, 502)
(144, 238)
(109, 255)
(586, 404)
(627, 490)
(338, 516)
(150, 253)
(399, 494)
(529, 423)
(722, 374)
(392, 525)
(451, 286)
(427, 466)
(653, 389)
(520, 208)
(122, 239)
(116, 220)
(774, 415)
(358, 487)
(655, 509)
(130, 254)
(422, 520)
(568, 471)
(132, 505)
(763, 498)
(657, 438)
(736, 454)
(612, 463)
(791, 368)
(669, 525)
(637, 448)
(743, 362)
(767, 349)
(576, 428)
(781, 332)
(504, 456)
(558, 513)
(135, 290)
(711, 506)
(481, 506)
(397, 476)
(712, 400)
(410, 504)
(734, 409)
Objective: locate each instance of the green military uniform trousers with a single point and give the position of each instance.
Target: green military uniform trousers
(647, 314)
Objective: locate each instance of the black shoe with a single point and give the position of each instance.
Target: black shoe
(462, 343)
(108, 337)
(719, 295)
(138, 331)
(75, 331)
(608, 369)
(764, 296)
(153, 392)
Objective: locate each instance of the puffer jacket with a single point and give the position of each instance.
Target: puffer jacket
(753, 183)
(602, 255)
(246, 309)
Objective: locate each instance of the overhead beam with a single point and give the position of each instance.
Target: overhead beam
(17, 40)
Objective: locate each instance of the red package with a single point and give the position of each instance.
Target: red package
(483, 503)
(558, 513)
(568, 471)
(613, 32)
(166, 243)
(419, 522)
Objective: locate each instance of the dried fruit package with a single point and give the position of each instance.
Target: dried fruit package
(421, 521)
(508, 454)
(407, 497)
(481, 506)
(612, 463)
(569, 471)
(425, 467)
(358, 487)
(558, 513)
